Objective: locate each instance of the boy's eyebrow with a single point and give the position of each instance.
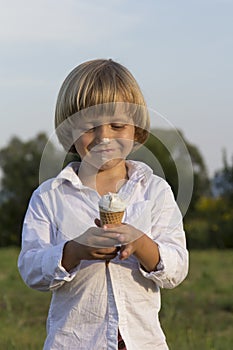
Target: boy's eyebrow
(100, 120)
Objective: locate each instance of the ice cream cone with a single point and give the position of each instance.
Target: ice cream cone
(108, 217)
(112, 208)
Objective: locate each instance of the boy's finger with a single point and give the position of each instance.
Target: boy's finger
(109, 226)
(126, 251)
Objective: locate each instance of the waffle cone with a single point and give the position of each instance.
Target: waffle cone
(107, 217)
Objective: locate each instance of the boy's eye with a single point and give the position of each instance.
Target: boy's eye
(90, 129)
(117, 126)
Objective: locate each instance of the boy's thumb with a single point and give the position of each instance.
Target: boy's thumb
(126, 251)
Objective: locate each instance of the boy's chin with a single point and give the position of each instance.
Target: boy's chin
(106, 165)
(111, 164)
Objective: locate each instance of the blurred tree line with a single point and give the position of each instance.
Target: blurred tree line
(208, 221)
(210, 224)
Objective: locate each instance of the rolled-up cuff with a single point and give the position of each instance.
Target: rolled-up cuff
(52, 268)
(172, 267)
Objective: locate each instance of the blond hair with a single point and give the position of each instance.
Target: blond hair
(98, 82)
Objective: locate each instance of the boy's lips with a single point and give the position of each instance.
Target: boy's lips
(103, 150)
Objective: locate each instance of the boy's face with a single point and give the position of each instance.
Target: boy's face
(104, 141)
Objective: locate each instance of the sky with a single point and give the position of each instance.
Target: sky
(180, 52)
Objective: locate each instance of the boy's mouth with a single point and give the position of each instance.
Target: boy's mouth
(100, 150)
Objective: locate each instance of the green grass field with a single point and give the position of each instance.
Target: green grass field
(196, 315)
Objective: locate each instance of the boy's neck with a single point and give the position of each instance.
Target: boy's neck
(106, 180)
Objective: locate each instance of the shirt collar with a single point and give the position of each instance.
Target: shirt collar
(137, 171)
(69, 173)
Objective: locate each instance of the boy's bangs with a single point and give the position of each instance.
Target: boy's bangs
(121, 111)
(106, 91)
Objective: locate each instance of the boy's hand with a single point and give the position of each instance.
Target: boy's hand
(93, 244)
(124, 233)
(127, 236)
(136, 242)
(102, 243)
(97, 237)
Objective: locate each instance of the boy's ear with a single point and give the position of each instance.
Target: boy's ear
(136, 137)
(136, 146)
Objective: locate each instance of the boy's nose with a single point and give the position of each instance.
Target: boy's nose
(103, 132)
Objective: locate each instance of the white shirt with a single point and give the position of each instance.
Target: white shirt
(91, 302)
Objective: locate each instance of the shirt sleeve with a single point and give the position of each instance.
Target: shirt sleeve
(40, 258)
(168, 233)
